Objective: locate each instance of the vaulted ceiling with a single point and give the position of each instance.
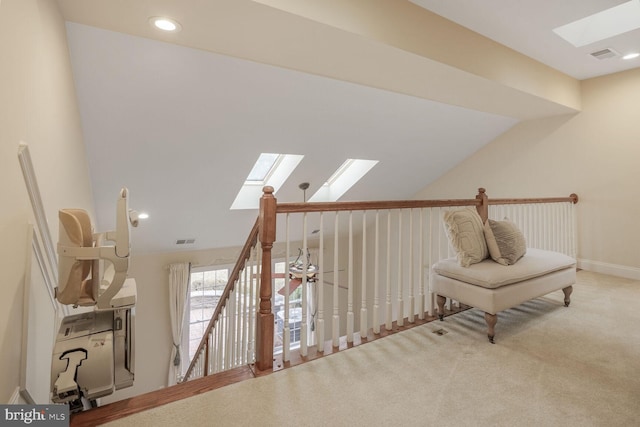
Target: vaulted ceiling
(181, 118)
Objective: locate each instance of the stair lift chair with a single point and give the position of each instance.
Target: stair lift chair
(94, 350)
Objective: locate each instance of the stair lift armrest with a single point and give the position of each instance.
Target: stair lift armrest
(108, 253)
(114, 285)
(125, 218)
(80, 253)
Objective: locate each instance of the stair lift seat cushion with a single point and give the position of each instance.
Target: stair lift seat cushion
(74, 285)
(505, 241)
(466, 235)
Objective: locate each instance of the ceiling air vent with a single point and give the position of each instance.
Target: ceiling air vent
(185, 241)
(605, 54)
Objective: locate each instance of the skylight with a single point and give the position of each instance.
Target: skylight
(345, 177)
(270, 169)
(602, 25)
(263, 166)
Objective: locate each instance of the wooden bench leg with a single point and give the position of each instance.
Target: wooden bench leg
(441, 301)
(567, 293)
(491, 320)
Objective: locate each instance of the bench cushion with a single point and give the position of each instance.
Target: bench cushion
(495, 300)
(489, 274)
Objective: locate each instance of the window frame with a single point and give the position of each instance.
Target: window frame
(186, 325)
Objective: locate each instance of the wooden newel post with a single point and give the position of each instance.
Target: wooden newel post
(483, 208)
(265, 319)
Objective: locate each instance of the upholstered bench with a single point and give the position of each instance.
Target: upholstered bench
(492, 287)
(513, 274)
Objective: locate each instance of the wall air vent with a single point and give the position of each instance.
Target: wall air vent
(605, 54)
(185, 241)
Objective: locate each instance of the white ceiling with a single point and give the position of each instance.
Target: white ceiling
(527, 27)
(181, 127)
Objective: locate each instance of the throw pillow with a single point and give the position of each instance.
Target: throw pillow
(464, 228)
(505, 241)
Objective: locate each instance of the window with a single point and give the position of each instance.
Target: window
(281, 283)
(207, 286)
(205, 289)
(263, 166)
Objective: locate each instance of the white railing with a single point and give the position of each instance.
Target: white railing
(373, 275)
(230, 338)
(379, 259)
(549, 226)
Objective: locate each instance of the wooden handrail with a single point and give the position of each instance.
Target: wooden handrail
(371, 205)
(409, 204)
(573, 198)
(245, 254)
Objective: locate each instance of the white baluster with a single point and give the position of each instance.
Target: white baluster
(231, 304)
(421, 265)
(430, 262)
(559, 229)
(215, 348)
(236, 325)
(562, 231)
(568, 219)
(400, 318)
(241, 315)
(220, 353)
(320, 290)
(363, 309)
(336, 307)
(376, 279)
(574, 231)
(350, 318)
(286, 331)
(253, 301)
(304, 324)
(223, 338)
(412, 298)
(389, 312)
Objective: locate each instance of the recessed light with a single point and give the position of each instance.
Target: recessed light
(143, 215)
(631, 55)
(165, 24)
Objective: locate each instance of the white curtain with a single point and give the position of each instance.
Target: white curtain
(178, 292)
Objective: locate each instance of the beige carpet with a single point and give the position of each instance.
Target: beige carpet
(550, 366)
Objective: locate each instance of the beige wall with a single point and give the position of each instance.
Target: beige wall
(593, 153)
(37, 106)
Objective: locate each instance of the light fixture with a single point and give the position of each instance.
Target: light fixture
(143, 215)
(165, 24)
(631, 55)
(304, 186)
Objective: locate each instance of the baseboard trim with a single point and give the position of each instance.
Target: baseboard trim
(15, 397)
(611, 269)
